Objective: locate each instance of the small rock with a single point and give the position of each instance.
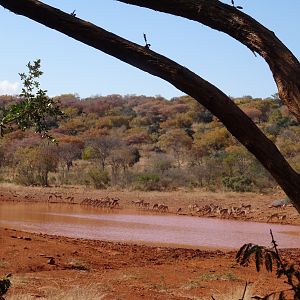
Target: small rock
(51, 261)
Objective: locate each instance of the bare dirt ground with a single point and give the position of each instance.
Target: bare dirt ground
(53, 267)
(85, 269)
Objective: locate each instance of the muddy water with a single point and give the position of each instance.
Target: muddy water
(125, 226)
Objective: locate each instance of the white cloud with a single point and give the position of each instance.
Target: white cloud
(9, 88)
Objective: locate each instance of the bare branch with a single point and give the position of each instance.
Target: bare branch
(284, 65)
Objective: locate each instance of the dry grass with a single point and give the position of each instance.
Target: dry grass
(78, 264)
(88, 293)
(235, 294)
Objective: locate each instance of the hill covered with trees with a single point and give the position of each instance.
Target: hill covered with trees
(147, 143)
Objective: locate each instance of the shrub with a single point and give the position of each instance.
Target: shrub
(146, 181)
(270, 258)
(174, 178)
(4, 285)
(99, 179)
(238, 183)
(25, 175)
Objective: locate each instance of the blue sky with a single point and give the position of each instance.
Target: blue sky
(72, 67)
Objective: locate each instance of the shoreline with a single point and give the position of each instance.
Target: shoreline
(259, 212)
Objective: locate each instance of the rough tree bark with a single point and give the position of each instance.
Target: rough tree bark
(237, 122)
(284, 65)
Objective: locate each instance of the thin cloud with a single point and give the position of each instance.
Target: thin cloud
(9, 88)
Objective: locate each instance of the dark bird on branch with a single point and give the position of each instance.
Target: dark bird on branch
(147, 46)
(238, 7)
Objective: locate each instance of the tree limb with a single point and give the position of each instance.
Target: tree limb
(284, 65)
(236, 121)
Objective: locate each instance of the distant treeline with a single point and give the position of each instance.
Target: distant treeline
(147, 143)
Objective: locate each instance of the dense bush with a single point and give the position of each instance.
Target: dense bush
(145, 181)
(98, 178)
(5, 284)
(24, 175)
(177, 143)
(237, 183)
(174, 178)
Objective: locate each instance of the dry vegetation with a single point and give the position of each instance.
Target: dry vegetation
(146, 144)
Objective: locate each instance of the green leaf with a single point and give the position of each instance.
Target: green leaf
(258, 258)
(268, 262)
(247, 253)
(241, 250)
(34, 108)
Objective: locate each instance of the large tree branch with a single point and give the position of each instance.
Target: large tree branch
(205, 93)
(284, 65)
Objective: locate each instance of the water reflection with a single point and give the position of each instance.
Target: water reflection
(124, 226)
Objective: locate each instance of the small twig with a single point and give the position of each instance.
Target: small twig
(254, 53)
(275, 247)
(271, 294)
(244, 291)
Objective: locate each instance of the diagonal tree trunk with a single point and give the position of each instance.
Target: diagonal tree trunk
(284, 65)
(237, 122)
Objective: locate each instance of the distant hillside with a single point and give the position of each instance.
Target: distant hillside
(147, 143)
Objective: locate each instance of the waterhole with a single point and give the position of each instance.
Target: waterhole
(144, 228)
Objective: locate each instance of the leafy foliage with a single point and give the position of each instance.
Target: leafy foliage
(34, 109)
(5, 284)
(269, 257)
(100, 178)
(237, 183)
(146, 181)
(35, 164)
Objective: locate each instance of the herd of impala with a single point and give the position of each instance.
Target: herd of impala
(208, 210)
